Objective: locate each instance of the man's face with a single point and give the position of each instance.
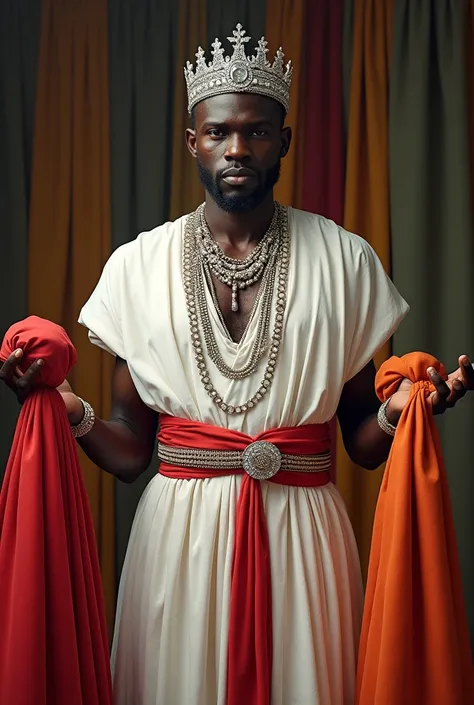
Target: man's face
(238, 140)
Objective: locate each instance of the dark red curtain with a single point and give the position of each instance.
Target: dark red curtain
(323, 121)
(323, 168)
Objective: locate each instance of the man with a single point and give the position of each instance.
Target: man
(241, 321)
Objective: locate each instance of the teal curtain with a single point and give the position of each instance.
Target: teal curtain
(432, 226)
(19, 36)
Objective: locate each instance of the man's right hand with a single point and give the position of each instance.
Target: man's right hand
(22, 384)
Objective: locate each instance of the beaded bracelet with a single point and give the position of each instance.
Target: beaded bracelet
(87, 422)
(382, 420)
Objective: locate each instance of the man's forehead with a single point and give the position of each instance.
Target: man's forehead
(243, 107)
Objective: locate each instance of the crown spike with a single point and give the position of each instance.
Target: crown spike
(261, 58)
(278, 61)
(218, 53)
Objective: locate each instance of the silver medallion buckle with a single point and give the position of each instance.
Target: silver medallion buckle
(261, 460)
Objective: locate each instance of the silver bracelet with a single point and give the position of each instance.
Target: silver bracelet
(382, 420)
(87, 422)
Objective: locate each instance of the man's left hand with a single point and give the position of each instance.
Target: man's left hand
(447, 392)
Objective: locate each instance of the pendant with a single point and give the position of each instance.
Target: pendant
(235, 302)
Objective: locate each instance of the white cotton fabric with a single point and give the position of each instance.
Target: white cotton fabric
(170, 642)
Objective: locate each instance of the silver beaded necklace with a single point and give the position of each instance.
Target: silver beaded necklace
(197, 266)
(237, 274)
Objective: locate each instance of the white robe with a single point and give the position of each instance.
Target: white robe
(170, 641)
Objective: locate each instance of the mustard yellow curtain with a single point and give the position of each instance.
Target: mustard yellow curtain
(69, 234)
(186, 190)
(367, 209)
(285, 28)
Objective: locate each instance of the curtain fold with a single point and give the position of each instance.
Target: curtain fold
(367, 210)
(285, 27)
(142, 48)
(187, 191)
(69, 234)
(470, 82)
(432, 222)
(323, 163)
(222, 18)
(347, 50)
(19, 36)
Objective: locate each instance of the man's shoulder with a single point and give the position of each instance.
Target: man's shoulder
(335, 236)
(149, 243)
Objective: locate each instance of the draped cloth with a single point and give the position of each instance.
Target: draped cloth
(414, 645)
(54, 647)
(249, 669)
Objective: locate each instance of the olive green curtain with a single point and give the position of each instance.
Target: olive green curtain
(432, 220)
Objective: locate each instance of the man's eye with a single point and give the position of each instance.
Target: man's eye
(214, 133)
(259, 133)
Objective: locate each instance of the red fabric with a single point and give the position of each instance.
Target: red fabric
(323, 119)
(249, 675)
(414, 647)
(53, 645)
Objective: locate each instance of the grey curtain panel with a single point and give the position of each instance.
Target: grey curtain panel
(432, 228)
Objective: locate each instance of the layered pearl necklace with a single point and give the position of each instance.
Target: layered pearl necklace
(269, 261)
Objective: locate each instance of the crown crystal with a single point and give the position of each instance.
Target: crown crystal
(238, 73)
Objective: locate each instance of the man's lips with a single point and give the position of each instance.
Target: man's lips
(237, 177)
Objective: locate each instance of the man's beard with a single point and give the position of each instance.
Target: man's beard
(237, 204)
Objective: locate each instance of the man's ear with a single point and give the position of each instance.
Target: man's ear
(286, 135)
(191, 141)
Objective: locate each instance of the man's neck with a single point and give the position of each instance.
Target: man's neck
(239, 229)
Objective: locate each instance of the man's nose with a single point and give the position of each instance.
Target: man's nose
(237, 148)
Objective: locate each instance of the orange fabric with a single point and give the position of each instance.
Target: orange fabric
(367, 211)
(187, 191)
(414, 647)
(285, 28)
(69, 236)
(53, 647)
(249, 669)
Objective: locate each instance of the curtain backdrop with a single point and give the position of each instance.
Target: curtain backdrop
(19, 33)
(383, 114)
(432, 227)
(367, 210)
(69, 237)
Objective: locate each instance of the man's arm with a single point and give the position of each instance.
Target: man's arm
(365, 442)
(123, 445)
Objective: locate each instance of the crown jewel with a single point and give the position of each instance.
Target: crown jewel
(238, 73)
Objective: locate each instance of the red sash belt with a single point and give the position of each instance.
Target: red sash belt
(249, 674)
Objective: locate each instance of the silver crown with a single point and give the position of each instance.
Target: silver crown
(239, 73)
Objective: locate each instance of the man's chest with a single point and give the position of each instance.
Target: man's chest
(236, 322)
